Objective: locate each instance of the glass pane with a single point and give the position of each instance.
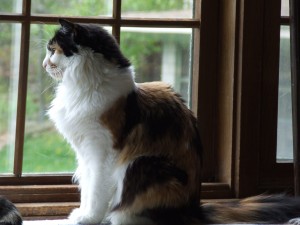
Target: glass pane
(160, 54)
(284, 130)
(285, 7)
(10, 35)
(72, 8)
(158, 8)
(11, 6)
(44, 149)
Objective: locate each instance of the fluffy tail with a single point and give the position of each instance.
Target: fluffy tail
(258, 209)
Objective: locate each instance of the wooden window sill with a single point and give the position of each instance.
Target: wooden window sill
(47, 210)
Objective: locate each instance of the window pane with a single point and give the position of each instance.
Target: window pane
(160, 54)
(9, 70)
(11, 6)
(284, 130)
(158, 8)
(44, 149)
(285, 7)
(73, 8)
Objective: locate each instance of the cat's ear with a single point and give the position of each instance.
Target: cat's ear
(67, 26)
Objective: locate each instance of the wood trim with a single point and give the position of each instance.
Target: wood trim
(224, 91)
(216, 191)
(285, 20)
(247, 104)
(117, 17)
(207, 84)
(35, 179)
(196, 60)
(22, 90)
(40, 193)
(295, 71)
(46, 210)
(129, 22)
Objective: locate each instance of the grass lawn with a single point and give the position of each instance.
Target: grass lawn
(43, 152)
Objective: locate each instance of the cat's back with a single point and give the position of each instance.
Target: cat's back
(153, 120)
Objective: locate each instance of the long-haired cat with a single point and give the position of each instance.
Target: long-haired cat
(9, 215)
(137, 145)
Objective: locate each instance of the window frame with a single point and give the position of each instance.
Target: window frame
(256, 169)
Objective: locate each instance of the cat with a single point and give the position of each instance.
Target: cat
(138, 146)
(9, 215)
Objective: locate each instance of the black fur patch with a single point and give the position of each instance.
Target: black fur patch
(65, 41)
(174, 216)
(72, 35)
(147, 171)
(132, 118)
(162, 117)
(6, 207)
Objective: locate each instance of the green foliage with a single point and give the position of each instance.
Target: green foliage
(151, 5)
(44, 152)
(72, 8)
(6, 6)
(47, 152)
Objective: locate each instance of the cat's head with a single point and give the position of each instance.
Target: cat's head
(70, 38)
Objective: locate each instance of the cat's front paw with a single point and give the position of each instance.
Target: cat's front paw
(80, 216)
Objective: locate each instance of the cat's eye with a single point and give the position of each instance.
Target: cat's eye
(52, 50)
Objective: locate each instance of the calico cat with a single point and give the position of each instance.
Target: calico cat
(9, 215)
(137, 145)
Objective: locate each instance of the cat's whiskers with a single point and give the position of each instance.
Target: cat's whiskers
(52, 84)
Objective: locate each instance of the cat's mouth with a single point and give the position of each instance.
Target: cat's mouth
(55, 72)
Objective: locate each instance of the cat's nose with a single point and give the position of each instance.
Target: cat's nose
(44, 65)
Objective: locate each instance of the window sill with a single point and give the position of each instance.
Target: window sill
(47, 210)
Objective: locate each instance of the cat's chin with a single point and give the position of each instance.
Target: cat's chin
(57, 77)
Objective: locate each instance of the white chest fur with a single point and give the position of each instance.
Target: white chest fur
(83, 95)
